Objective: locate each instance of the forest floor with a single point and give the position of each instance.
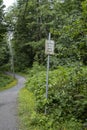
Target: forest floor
(8, 106)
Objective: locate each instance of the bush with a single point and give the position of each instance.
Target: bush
(6, 81)
(67, 97)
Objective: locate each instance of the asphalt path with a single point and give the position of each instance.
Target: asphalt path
(8, 106)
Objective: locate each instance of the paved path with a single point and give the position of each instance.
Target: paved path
(8, 106)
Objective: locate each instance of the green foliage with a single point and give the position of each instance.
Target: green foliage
(36, 68)
(67, 99)
(6, 81)
(32, 26)
(70, 33)
(33, 20)
(3, 46)
(26, 109)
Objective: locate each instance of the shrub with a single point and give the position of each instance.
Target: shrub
(6, 81)
(67, 96)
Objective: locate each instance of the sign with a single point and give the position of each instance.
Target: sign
(49, 47)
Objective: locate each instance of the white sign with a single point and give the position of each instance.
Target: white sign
(49, 47)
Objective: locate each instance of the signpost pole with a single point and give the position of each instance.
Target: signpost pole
(47, 75)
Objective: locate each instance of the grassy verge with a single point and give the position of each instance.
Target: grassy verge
(26, 110)
(6, 82)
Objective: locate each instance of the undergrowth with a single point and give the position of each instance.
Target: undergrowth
(66, 104)
(6, 81)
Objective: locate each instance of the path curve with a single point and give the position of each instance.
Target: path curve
(8, 106)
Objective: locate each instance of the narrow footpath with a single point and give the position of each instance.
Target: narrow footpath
(8, 106)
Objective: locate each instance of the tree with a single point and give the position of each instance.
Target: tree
(65, 21)
(33, 24)
(3, 46)
(69, 31)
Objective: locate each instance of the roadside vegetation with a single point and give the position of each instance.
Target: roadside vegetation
(66, 103)
(30, 22)
(6, 81)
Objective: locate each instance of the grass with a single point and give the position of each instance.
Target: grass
(6, 81)
(26, 110)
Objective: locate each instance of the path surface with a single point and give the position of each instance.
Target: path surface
(8, 106)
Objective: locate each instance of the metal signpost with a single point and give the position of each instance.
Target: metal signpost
(49, 50)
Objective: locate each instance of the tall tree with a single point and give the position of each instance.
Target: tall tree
(66, 20)
(3, 46)
(69, 31)
(33, 24)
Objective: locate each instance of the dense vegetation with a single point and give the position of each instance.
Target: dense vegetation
(66, 103)
(6, 81)
(67, 23)
(3, 45)
(30, 22)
